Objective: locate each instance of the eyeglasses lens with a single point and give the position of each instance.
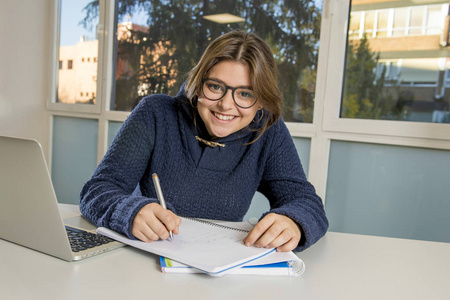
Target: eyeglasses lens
(214, 90)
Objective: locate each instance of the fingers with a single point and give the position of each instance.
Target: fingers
(289, 246)
(168, 220)
(274, 231)
(258, 231)
(153, 222)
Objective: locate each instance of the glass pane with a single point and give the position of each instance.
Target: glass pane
(399, 26)
(303, 146)
(113, 128)
(399, 74)
(158, 42)
(74, 156)
(416, 21)
(435, 14)
(382, 22)
(355, 24)
(78, 51)
(369, 21)
(376, 190)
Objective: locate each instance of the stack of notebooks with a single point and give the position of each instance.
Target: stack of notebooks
(215, 249)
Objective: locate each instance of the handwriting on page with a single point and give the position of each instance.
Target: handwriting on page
(213, 237)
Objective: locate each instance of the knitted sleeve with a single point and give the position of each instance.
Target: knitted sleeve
(107, 199)
(285, 185)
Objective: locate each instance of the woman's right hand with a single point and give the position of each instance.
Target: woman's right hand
(153, 222)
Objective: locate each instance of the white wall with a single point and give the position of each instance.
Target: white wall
(25, 68)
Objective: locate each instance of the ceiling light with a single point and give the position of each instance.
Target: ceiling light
(224, 18)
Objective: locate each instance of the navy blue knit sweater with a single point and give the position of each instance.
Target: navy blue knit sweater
(198, 180)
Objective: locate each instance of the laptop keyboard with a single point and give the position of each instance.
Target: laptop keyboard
(81, 240)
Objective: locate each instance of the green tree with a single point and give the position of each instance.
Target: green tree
(365, 94)
(290, 27)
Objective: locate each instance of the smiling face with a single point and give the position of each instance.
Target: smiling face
(223, 117)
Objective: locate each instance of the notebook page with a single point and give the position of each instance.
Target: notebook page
(206, 246)
(267, 259)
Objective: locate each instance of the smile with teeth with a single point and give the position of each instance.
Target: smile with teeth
(223, 117)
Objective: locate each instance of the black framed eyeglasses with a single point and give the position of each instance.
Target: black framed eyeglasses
(214, 90)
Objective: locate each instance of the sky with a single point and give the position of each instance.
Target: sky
(71, 30)
(71, 15)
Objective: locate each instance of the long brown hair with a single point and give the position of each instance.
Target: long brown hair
(251, 50)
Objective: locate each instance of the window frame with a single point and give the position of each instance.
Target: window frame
(52, 104)
(327, 126)
(334, 75)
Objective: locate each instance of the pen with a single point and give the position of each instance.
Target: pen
(160, 197)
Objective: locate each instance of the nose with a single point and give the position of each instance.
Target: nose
(227, 101)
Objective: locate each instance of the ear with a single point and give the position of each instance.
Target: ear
(194, 101)
(260, 105)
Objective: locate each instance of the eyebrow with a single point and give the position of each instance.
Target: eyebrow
(240, 86)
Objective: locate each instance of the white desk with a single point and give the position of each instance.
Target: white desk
(339, 266)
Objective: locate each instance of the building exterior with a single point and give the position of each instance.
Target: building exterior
(412, 41)
(77, 76)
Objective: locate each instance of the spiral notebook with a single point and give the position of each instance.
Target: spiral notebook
(290, 267)
(215, 249)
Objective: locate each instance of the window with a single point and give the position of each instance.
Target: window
(416, 21)
(155, 49)
(369, 22)
(400, 17)
(382, 22)
(435, 14)
(401, 75)
(355, 25)
(77, 42)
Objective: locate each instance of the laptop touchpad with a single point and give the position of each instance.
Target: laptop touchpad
(80, 222)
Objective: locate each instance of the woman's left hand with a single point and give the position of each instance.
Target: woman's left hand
(274, 231)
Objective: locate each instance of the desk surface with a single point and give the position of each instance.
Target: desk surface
(339, 266)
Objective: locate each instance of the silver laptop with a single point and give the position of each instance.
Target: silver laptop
(29, 214)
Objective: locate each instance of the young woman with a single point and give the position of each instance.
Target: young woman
(213, 146)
